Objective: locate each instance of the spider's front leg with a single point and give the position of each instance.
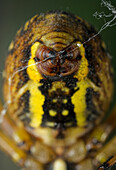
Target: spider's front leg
(106, 155)
(16, 142)
(97, 139)
(108, 164)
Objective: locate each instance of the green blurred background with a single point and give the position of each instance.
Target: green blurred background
(14, 13)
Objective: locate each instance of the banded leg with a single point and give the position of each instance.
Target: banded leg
(110, 149)
(15, 142)
(100, 134)
(105, 153)
(16, 132)
(97, 139)
(18, 155)
(108, 164)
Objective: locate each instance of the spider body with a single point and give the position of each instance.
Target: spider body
(58, 87)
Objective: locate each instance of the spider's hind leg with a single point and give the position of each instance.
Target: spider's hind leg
(106, 154)
(100, 147)
(16, 143)
(111, 162)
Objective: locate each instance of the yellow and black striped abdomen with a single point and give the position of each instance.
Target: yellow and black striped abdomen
(55, 77)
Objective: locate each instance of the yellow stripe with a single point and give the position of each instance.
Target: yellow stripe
(79, 102)
(36, 104)
(83, 67)
(32, 70)
(37, 99)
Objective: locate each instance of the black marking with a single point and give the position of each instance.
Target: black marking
(49, 166)
(24, 103)
(26, 52)
(60, 121)
(93, 113)
(25, 98)
(23, 78)
(60, 134)
(93, 75)
(46, 85)
(93, 65)
(23, 73)
(79, 57)
(70, 82)
(71, 166)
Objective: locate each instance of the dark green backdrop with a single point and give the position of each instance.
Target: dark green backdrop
(14, 13)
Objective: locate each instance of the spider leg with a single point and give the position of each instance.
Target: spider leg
(108, 152)
(16, 132)
(97, 139)
(108, 164)
(8, 146)
(99, 135)
(16, 143)
(105, 153)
